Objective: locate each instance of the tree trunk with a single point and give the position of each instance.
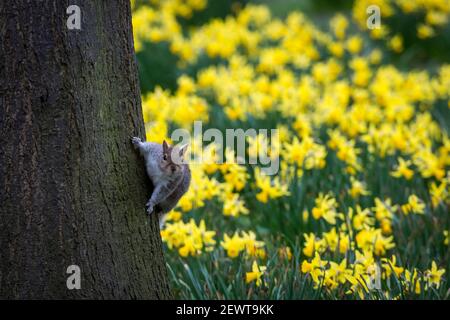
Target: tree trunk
(72, 189)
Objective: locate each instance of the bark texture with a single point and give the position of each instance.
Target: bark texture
(72, 189)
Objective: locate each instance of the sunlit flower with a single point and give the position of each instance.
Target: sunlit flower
(433, 276)
(390, 265)
(358, 188)
(256, 274)
(189, 238)
(315, 268)
(425, 31)
(396, 43)
(325, 208)
(269, 188)
(414, 205)
(403, 170)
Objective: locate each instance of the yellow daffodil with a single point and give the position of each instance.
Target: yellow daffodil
(256, 274)
(189, 238)
(414, 205)
(325, 208)
(315, 268)
(358, 188)
(433, 276)
(233, 245)
(403, 169)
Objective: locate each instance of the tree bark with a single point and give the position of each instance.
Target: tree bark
(72, 189)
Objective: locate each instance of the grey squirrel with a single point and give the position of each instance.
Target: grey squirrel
(168, 172)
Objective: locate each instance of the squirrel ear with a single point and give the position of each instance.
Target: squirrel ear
(165, 146)
(183, 149)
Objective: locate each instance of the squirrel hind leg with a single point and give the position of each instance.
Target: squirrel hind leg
(162, 215)
(162, 219)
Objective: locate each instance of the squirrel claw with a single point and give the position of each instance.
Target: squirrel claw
(150, 208)
(136, 141)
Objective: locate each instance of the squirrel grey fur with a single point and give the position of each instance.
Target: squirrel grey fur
(168, 172)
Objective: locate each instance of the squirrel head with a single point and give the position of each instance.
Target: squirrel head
(172, 159)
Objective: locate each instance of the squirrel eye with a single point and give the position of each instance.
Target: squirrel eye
(165, 157)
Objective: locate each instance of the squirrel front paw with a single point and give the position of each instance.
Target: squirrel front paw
(150, 207)
(136, 141)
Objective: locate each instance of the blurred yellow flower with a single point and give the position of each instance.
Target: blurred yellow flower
(354, 44)
(285, 253)
(256, 274)
(358, 188)
(325, 207)
(396, 43)
(233, 245)
(403, 170)
(236, 244)
(414, 205)
(189, 238)
(424, 31)
(315, 268)
(433, 276)
(269, 188)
